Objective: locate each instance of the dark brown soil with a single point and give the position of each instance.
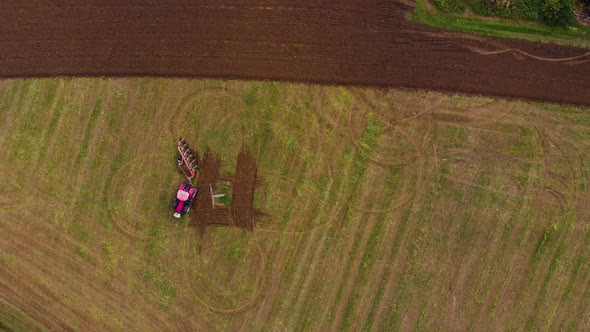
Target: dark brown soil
(242, 206)
(241, 211)
(203, 212)
(367, 42)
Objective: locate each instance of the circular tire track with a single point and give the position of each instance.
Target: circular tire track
(386, 147)
(530, 200)
(307, 194)
(209, 109)
(310, 128)
(476, 115)
(116, 189)
(196, 112)
(244, 304)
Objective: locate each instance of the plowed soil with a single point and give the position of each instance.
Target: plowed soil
(241, 211)
(366, 42)
(242, 206)
(202, 215)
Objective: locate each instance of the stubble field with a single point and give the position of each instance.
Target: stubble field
(382, 209)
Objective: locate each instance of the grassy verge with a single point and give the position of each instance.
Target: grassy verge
(575, 36)
(12, 319)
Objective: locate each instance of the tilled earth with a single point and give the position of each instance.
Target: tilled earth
(241, 212)
(202, 214)
(366, 42)
(242, 207)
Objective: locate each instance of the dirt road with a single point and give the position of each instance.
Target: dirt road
(345, 42)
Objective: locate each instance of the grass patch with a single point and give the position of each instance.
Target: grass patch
(51, 129)
(367, 262)
(108, 250)
(94, 114)
(560, 108)
(349, 312)
(236, 252)
(355, 245)
(553, 267)
(371, 250)
(251, 98)
(393, 180)
(23, 92)
(82, 252)
(164, 288)
(572, 280)
(51, 89)
(224, 188)
(393, 320)
(546, 240)
(288, 215)
(372, 131)
(454, 136)
(371, 319)
(12, 319)
(154, 244)
(395, 250)
(579, 36)
(509, 225)
(7, 97)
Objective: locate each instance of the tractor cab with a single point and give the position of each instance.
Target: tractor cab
(184, 197)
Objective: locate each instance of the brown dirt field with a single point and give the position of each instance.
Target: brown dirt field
(241, 212)
(201, 214)
(344, 42)
(242, 207)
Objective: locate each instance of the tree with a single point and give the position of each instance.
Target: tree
(558, 12)
(550, 10)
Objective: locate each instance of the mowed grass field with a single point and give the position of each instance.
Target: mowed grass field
(383, 209)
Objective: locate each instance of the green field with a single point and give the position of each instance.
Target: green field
(383, 209)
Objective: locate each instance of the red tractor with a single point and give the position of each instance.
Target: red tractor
(184, 197)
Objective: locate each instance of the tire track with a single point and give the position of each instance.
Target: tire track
(364, 299)
(49, 130)
(31, 244)
(396, 255)
(574, 60)
(259, 282)
(117, 179)
(502, 284)
(497, 251)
